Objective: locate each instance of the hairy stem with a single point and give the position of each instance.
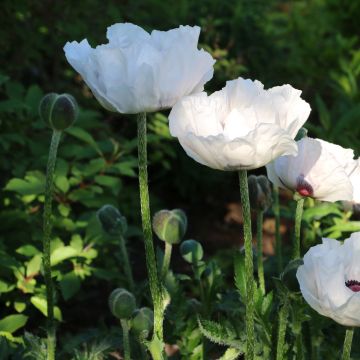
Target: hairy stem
(249, 266)
(126, 264)
(47, 227)
(347, 344)
(260, 262)
(155, 288)
(126, 341)
(278, 249)
(166, 261)
(298, 217)
(283, 315)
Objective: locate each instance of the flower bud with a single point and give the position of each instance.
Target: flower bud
(143, 321)
(301, 134)
(58, 111)
(111, 220)
(191, 251)
(170, 225)
(122, 303)
(259, 192)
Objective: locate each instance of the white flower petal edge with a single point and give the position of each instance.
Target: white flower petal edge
(321, 170)
(241, 126)
(137, 71)
(330, 279)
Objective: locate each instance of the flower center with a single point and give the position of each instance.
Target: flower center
(353, 285)
(303, 187)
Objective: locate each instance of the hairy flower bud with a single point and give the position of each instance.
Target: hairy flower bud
(111, 220)
(191, 251)
(170, 225)
(143, 321)
(122, 303)
(58, 111)
(259, 192)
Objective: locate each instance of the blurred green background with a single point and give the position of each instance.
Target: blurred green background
(313, 45)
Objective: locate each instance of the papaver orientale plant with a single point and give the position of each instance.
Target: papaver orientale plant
(241, 127)
(330, 279)
(140, 72)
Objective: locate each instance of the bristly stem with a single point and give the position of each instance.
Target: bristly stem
(155, 288)
(278, 248)
(126, 340)
(283, 315)
(166, 260)
(298, 218)
(347, 344)
(47, 227)
(127, 266)
(249, 266)
(260, 262)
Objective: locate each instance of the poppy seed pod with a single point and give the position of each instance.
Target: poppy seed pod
(143, 321)
(170, 225)
(259, 192)
(191, 251)
(112, 222)
(122, 303)
(58, 111)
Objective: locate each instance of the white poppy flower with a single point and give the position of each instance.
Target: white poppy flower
(320, 170)
(355, 180)
(330, 279)
(241, 126)
(137, 71)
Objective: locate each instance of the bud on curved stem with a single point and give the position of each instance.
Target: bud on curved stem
(59, 112)
(122, 304)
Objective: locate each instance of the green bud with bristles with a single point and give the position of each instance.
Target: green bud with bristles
(58, 111)
(122, 303)
(191, 251)
(111, 220)
(170, 225)
(259, 192)
(142, 322)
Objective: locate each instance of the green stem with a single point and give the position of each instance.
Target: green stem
(126, 263)
(166, 260)
(299, 345)
(47, 227)
(347, 344)
(278, 248)
(249, 266)
(126, 341)
(283, 315)
(155, 288)
(260, 263)
(298, 217)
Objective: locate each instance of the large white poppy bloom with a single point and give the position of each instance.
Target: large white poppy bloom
(242, 126)
(320, 170)
(137, 71)
(330, 279)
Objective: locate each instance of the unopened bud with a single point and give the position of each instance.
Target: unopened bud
(111, 220)
(191, 251)
(143, 321)
(58, 111)
(122, 303)
(301, 134)
(170, 225)
(259, 192)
